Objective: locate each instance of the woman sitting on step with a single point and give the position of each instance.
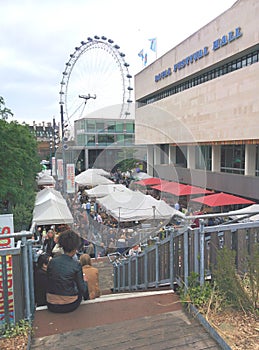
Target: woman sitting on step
(66, 286)
(91, 276)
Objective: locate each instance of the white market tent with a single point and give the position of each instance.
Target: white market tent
(45, 179)
(247, 213)
(134, 205)
(141, 175)
(48, 193)
(104, 190)
(91, 172)
(91, 179)
(51, 208)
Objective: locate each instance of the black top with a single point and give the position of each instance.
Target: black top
(40, 286)
(48, 245)
(65, 277)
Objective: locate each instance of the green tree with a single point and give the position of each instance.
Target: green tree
(126, 159)
(19, 164)
(4, 111)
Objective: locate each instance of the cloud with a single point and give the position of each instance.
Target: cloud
(37, 38)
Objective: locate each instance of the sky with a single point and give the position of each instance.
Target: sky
(38, 36)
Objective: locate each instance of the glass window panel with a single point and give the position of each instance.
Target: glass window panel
(255, 57)
(120, 139)
(100, 126)
(90, 140)
(119, 127)
(130, 127)
(249, 59)
(90, 125)
(104, 140)
(128, 139)
(111, 126)
(238, 64)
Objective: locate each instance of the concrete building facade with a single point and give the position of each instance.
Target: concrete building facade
(197, 106)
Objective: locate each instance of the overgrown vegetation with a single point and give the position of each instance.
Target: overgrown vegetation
(227, 289)
(21, 328)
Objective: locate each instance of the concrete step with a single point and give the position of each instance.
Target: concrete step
(141, 320)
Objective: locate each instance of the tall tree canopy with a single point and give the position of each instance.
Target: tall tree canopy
(19, 164)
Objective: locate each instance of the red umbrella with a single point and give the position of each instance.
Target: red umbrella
(188, 190)
(221, 199)
(180, 189)
(150, 181)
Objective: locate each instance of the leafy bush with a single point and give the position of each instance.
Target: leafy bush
(230, 283)
(198, 295)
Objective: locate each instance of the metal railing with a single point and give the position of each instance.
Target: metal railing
(17, 289)
(171, 261)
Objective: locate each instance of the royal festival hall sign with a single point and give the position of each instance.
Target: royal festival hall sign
(216, 45)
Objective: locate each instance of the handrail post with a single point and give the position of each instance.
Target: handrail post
(171, 250)
(146, 269)
(31, 276)
(157, 263)
(196, 251)
(26, 278)
(202, 238)
(186, 258)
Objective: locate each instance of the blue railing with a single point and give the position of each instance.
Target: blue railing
(17, 299)
(171, 261)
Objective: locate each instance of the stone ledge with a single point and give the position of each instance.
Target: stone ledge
(195, 313)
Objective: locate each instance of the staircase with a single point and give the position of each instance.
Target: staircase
(146, 320)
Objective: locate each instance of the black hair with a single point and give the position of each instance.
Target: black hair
(43, 259)
(69, 240)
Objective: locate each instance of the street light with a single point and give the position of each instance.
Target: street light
(87, 97)
(64, 139)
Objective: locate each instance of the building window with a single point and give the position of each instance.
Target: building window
(180, 156)
(257, 161)
(233, 159)
(130, 127)
(90, 126)
(164, 153)
(105, 140)
(203, 157)
(100, 126)
(119, 127)
(90, 140)
(235, 64)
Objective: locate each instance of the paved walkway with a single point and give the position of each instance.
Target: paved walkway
(142, 320)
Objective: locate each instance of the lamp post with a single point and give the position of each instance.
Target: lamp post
(64, 140)
(63, 149)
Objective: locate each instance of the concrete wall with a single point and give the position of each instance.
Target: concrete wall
(223, 109)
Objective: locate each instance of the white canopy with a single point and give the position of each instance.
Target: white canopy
(45, 179)
(91, 178)
(92, 171)
(254, 208)
(48, 193)
(104, 190)
(141, 175)
(51, 208)
(134, 205)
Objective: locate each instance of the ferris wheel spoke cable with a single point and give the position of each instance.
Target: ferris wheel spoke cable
(96, 67)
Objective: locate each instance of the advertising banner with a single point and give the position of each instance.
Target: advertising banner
(70, 178)
(60, 169)
(53, 166)
(6, 227)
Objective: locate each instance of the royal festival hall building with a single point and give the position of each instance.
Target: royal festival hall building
(197, 106)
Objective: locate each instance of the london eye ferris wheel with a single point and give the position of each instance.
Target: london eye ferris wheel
(96, 77)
